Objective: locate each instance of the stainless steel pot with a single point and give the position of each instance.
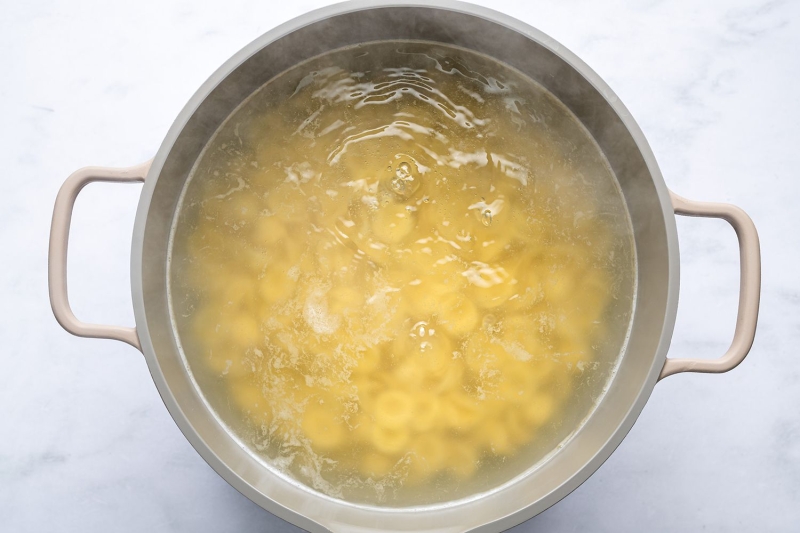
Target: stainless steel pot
(651, 205)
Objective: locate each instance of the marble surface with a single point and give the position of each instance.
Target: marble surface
(87, 445)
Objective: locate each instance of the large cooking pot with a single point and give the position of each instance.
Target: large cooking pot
(650, 204)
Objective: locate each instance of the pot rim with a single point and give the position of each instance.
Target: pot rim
(174, 407)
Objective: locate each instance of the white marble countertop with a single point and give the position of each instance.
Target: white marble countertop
(87, 445)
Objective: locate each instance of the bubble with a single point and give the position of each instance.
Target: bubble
(404, 183)
(403, 170)
(399, 185)
(486, 217)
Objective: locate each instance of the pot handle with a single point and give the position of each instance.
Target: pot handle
(59, 238)
(749, 287)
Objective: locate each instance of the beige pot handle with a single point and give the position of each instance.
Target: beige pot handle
(59, 237)
(749, 287)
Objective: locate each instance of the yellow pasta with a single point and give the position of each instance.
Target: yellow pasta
(393, 409)
(237, 290)
(389, 441)
(462, 458)
(425, 347)
(426, 298)
(277, 284)
(394, 295)
(250, 399)
(427, 455)
(268, 231)
(322, 427)
(517, 383)
(496, 295)
(539, 409)
(425, 416)
(451, 379)
(457, 314)
(393, 223)
(242, 329)
(574, 353)
(460, 411)
(344, 299)
(288, 201)
(496, 437)
(367, 360)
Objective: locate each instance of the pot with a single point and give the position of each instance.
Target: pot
(651, 205)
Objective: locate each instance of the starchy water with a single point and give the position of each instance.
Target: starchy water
(402, 273)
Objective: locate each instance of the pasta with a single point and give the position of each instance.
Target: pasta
(390, 292)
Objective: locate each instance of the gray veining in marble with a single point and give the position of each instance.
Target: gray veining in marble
(86, 444)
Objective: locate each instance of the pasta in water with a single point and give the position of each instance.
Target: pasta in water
(402, 273)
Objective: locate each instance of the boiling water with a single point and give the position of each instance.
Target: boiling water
(402, 274)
